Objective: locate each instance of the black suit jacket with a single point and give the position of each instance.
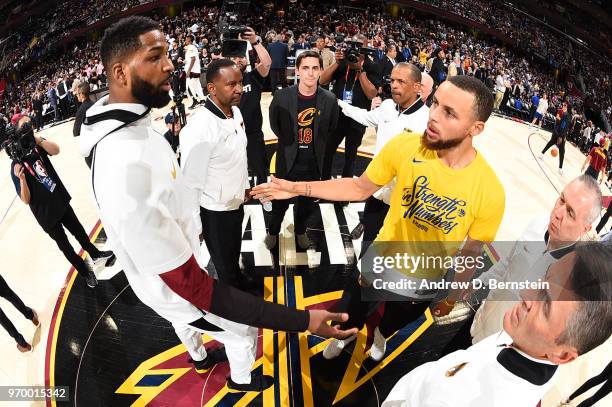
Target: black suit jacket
(283, 121)
(387, 66)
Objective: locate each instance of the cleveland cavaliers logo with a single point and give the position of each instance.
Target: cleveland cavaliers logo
(306, 117)
(294, 360)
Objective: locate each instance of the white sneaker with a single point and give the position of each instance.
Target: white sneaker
(335, 346)
(379, 346)
(560, 171)
(541, 157)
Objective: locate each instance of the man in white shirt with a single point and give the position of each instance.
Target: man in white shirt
(214, 162)
(147, 208)
(500, 88)
(551, 326)
(541, 110)
(193, 71)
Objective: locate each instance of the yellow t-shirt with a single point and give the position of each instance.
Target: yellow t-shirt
(432, 202)
(422, 57)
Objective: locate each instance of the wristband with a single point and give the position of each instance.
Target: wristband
(449, 303)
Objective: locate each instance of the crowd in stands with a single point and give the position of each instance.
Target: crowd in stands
(36, 37)
(418, 38)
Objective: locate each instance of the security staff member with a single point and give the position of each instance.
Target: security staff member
(250, 103)
(214, 162)
(302, 117)
(405, 110)
(39, 186)
(357, 84)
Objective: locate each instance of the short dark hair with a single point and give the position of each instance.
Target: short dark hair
(308, 54)
(591, 282)
(190, 37)
(121, 39)
(215, 67)
(483, 99)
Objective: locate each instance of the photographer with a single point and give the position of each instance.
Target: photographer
(405, 110)
(38, 185)
(357, 79)
(250, 101)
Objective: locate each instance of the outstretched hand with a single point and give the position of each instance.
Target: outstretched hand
(443, 308)
(318, 324)
(275, 189)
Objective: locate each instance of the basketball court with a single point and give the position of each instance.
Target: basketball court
(111, 350)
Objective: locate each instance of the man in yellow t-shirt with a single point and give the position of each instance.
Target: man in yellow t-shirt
(445, 192)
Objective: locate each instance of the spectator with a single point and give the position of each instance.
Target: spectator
(279, 51)
(389, 61)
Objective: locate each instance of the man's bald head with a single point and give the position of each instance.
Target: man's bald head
(426, 85)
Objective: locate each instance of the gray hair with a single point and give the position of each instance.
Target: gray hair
(593, 188)
(590, 280)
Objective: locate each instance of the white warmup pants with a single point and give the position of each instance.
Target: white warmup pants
(195, 87)
(240, 344)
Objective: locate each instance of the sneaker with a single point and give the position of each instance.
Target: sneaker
(541, 157)
(106, 257)
(91, 279)
(193, 105)
(379, 346)
(270, 241)
(35, 319)
(303, 241)
(24, 349)
(560, 171)
(258, 384)
(357, 232)
(335, 346)
(213, 357)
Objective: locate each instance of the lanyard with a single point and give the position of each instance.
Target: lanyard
(346, 79)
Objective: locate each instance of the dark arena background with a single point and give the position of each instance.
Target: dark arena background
(105, 348)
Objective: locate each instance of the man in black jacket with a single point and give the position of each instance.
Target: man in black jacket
(83, 97)
(86, 103)
(302, 117)
(389, 60)
(37, 106)
(438, 70)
